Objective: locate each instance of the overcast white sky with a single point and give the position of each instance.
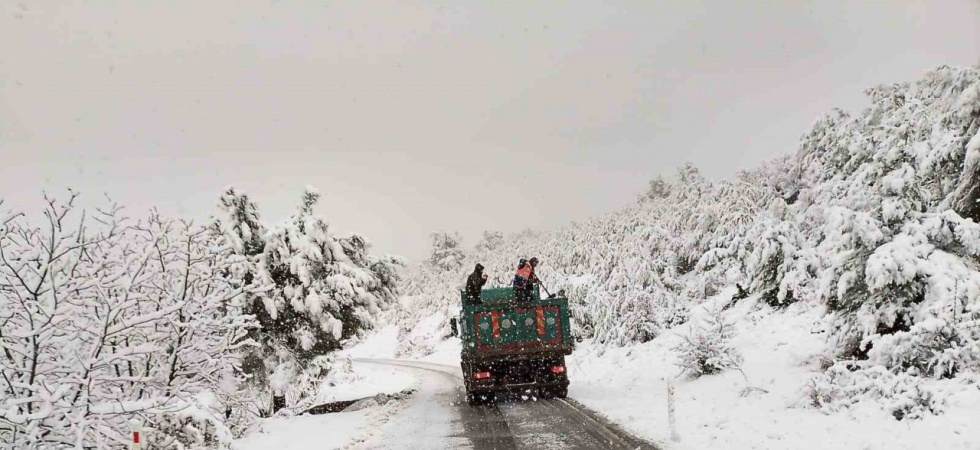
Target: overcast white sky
(416, 116)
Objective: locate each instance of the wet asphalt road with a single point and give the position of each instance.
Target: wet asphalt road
(509, 423)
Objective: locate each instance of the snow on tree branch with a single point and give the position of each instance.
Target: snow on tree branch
(127, 318)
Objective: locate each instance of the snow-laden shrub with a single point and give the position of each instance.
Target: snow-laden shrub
(844, 386)
(301, 385)
(638, 316)
(200, 421)
(706, 349)
(892, 260)
(671, 311)
(773, 259)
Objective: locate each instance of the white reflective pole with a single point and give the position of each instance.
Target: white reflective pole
(671, 422)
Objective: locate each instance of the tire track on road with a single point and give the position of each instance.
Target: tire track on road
(531, 424)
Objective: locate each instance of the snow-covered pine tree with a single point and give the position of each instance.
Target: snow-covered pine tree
(239, 224)
(326, 289)
(447, 250)
(707, 349)
(318, 290)
(773, 258)
(658, 188)
(491, 241)
(897, 266)
(384, 270)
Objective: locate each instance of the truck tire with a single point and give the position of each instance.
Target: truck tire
(553, 392)
(561, 392)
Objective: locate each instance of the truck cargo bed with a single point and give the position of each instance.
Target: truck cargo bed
(510, 345)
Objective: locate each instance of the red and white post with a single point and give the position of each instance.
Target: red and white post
(137, 428)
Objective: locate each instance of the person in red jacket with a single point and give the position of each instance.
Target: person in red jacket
(524, 280)
(521, 278)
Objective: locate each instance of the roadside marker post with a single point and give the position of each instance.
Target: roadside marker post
(137, 429)
(671, 422)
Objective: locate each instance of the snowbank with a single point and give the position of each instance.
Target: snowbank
(446, 352)
(380, 344)
(342, 429)
(368, 380)
(307, 432)
(781, 353)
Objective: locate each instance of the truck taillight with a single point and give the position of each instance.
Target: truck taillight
(481, 375)
(558, 369)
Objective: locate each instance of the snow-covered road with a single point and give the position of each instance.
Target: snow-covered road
(438, 417)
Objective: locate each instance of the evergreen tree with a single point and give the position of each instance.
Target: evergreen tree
(320, 290)
(240, 225)
(447, 250)
(492, 240)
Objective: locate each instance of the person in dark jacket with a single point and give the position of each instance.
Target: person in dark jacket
(474, 285)
(533, 277)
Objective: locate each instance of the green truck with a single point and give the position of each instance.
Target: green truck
(511, 346)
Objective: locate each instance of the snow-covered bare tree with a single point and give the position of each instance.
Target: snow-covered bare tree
(104, 319)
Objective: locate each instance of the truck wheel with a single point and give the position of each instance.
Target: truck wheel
(561, 392)
(472, 399)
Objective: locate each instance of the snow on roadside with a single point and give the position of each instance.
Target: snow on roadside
(381, 345)
(307, 432)
(445, 352)
(341, 429)
(781, 352)
(368, 380)
(424, 337)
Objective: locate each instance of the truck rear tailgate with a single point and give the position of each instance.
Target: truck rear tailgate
(508, 328)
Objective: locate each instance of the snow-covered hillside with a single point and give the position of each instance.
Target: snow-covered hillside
(871, 226)
(763, 404)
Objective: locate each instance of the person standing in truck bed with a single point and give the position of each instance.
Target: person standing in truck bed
(532, 278)
(522, 281)
(474, 285)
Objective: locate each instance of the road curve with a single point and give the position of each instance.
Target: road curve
(511, 423)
